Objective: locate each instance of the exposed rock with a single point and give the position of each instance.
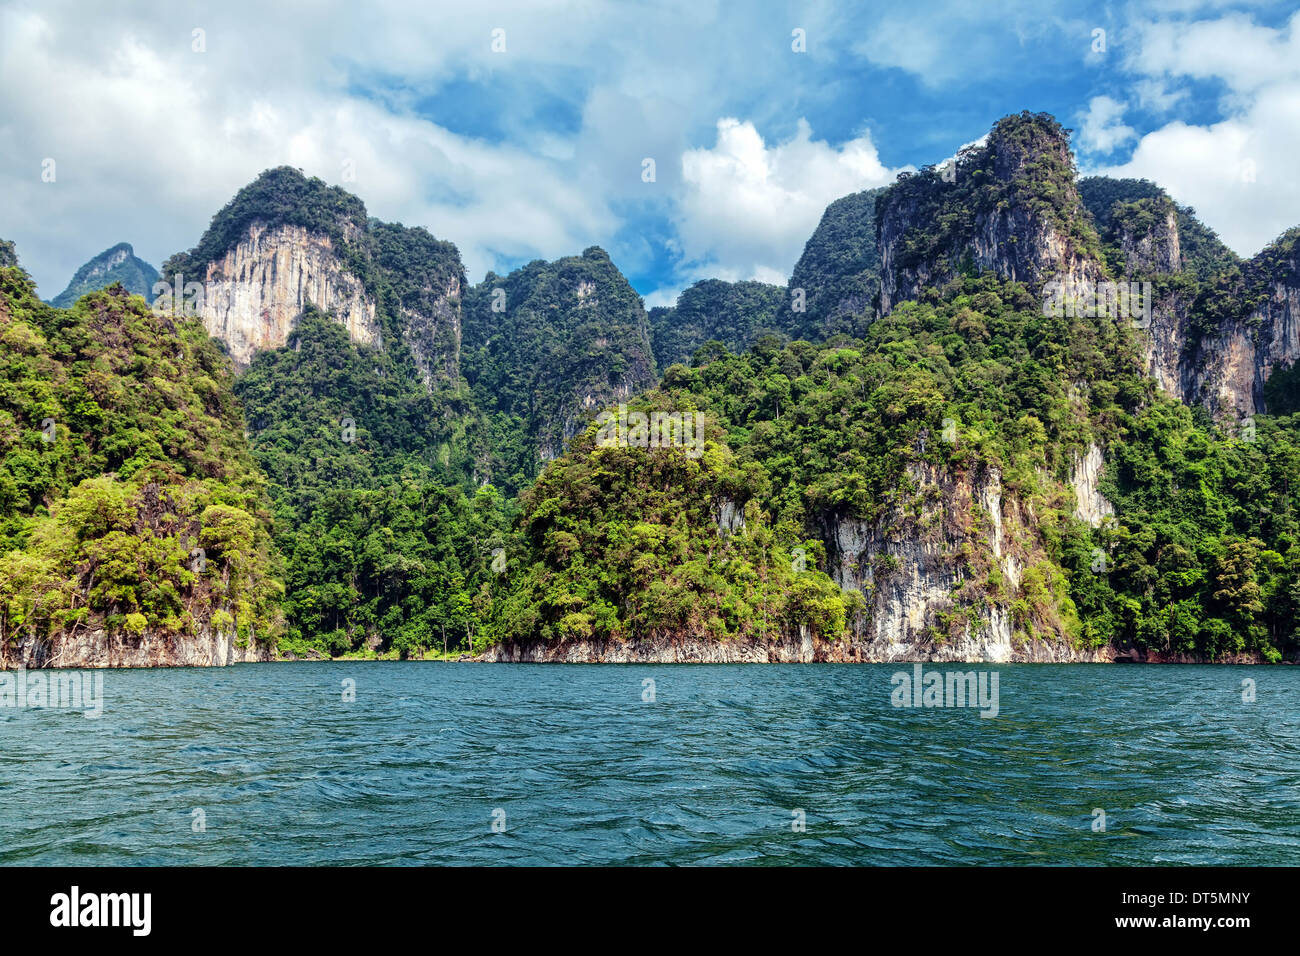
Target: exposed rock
(1017, 241)
(1085, 476)
(92, 647)
(730, 517)
(911, 570)
(1229, 368)
(807, 650)
(256, 292)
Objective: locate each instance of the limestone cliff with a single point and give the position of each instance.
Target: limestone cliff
(286, 242)
(94, 647)
(1090, 505)
(919, 567)
(1219, 327)
(1230, 365)
(254, 294)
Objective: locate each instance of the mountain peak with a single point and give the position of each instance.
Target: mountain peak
(1009, 206)
(117, 263)
(282, 195)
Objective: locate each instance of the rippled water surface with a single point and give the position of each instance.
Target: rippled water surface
(581, 769)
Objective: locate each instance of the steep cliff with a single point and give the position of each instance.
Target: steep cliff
(942, 571)
(1249, 324)
(836, 282)
(1009, 207)
(286, 242)
(253, 296)
(1218, 326)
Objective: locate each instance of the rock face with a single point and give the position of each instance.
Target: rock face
(1008, 207)
(93, 648)
(1229, 367)
(1218, 327)
(286, 242)
(1085, 477)
(255, 293)
(910, 570)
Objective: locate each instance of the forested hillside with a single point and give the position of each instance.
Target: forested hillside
(385, 542)
(133, 520)
(910, 452)
(838, 275)
(1202, 560)
(550, 345)
(734, 314)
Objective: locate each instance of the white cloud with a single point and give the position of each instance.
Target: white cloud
(147, 148)
(1239, 171)
(151, 138)
(1154, 95)
(1231, 48)
(665, 296)
(1103, 130)
(748, 208)
(942, 42)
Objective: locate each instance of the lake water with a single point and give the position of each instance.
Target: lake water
(578, 767)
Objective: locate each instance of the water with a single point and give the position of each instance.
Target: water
(711, 772)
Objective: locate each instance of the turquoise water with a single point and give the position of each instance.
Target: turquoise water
(580, 769)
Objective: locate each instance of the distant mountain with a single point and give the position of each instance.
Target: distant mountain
(553, 344)
(117, 264)
(838, 275)
(736, 314)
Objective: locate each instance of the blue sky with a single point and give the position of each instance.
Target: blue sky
(155, 115)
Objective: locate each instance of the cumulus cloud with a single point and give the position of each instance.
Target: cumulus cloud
(538, 152)
(1231, 48)
(943, 42)
(1238, 171)
(146, 149)
(1102, 129)
(748, 207)
(151, 135)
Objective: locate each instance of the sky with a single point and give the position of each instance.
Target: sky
(690, 139)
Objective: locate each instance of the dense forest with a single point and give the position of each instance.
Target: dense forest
(128, 496)
(547, 346)
(733, 314)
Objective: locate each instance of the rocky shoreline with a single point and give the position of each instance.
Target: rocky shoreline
(812, 650)
(94, 650)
